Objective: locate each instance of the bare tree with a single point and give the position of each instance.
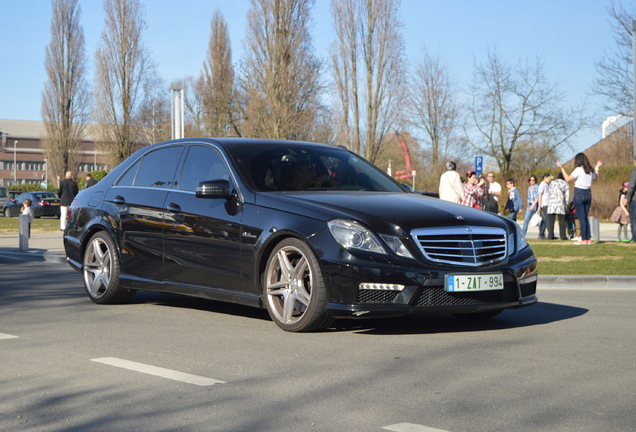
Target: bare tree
(122, 68)
(281, 82)
(433, 106)
(615, 70)
(65, 96)
(515, 105)
(193, 106)
(530, 156)
(154, 111)
(218, 82)
(368, 67)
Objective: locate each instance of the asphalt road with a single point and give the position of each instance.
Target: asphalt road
(167, 363)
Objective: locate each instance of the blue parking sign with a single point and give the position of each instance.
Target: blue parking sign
(479, 164)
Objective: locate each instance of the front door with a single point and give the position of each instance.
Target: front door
(202, 236)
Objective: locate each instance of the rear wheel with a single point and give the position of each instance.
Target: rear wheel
(101, 271)
(7, 213)
(295, 294)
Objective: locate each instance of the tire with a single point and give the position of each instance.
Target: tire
(294, 289)
(101, 271)
(7, 213)
(479, 315)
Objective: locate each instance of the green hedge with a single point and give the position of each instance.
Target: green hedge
(52, 186)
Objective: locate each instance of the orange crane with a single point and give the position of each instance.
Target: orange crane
(406, 174)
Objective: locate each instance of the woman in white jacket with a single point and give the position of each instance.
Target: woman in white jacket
(450, 184)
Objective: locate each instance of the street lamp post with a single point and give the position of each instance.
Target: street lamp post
(177, 89)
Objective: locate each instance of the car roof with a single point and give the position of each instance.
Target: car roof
(233, 142)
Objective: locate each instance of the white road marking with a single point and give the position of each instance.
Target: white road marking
(6, 336)
(158, 371)
(410, 427)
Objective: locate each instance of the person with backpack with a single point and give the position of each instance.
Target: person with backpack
(514, 204)
(558, 206)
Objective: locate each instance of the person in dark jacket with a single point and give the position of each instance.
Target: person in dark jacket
(66, 191)
(90, 181)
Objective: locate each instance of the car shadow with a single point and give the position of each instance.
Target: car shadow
(538, 314)
(201, 304)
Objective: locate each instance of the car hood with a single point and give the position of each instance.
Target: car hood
(390, 213)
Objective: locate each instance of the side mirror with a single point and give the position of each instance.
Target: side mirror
(214, 189)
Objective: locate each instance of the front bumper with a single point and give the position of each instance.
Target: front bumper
(423, 291)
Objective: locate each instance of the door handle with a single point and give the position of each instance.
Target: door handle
(119, 200)
(174, 207)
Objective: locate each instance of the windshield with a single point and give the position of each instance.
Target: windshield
(44, 195)
(308, 168)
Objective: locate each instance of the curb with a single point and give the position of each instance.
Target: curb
(46, 256)
(586, 282)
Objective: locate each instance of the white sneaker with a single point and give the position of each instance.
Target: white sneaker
(576, 239)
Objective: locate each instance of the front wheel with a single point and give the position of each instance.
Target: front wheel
(7, 213)
(295, 294)
(101, 271)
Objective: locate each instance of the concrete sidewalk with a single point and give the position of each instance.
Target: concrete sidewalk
(50, 247)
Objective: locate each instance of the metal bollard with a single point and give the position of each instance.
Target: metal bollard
(595, 228)
(23, 232)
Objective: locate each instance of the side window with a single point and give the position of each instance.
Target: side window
(158, 168)
(129, 177)
(202, 163)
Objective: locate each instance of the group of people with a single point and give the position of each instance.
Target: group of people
(551, 197)
(478, 191)
(475, 191)
(67, 190)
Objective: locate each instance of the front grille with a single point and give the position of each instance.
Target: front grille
(462, 245)
(431, 296)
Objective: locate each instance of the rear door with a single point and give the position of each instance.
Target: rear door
(139, 197)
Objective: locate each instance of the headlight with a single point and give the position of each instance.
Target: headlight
(397, 246)
(517, 241)
(352, 235)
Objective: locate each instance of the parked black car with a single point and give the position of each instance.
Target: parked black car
(43, 203)
(311, 232)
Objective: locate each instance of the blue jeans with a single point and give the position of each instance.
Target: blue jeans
(582, 203)
(513, 215)
(526, 221)
(544, 222)
(632, 217)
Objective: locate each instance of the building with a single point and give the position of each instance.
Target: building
(23, 158)
(615, 149)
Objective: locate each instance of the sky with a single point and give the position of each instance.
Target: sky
(569, 36)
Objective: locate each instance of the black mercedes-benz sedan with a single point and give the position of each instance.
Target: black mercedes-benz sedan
(311, 232)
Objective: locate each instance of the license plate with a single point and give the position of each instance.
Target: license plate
(474, 282)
